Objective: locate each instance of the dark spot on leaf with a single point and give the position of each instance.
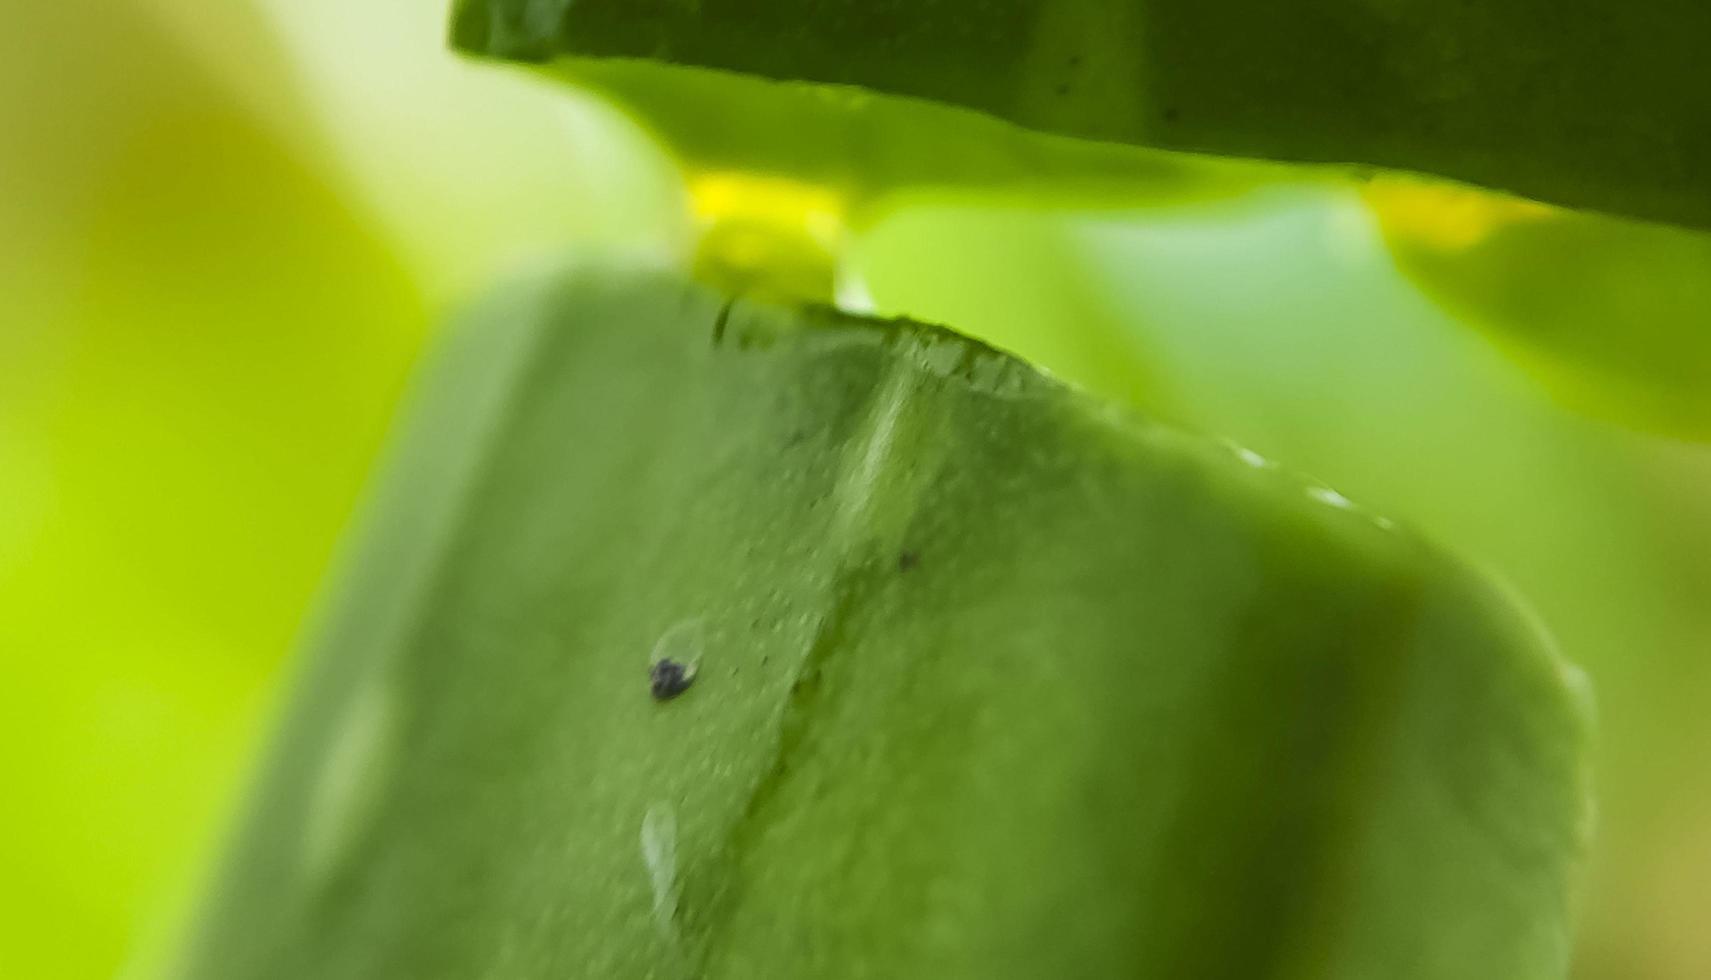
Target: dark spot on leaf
(1063, 88)
(907, 560)
(1170, 114)
(722, 321)
(806, 684)
(1074, 60)
(667, 679)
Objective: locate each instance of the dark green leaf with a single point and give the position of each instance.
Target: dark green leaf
(990, 680)
(865, 145)
(1598, 105)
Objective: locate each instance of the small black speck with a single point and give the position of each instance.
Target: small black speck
(907, 560)
(1170, 114)
(667, 679)
(1063, 88)
(1074, 60)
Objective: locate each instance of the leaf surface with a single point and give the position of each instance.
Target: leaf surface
(1598, 106)
(990, 680)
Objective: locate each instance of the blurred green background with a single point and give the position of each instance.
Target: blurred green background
(227, 231)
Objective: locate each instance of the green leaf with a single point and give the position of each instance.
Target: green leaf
(990, 680)
(1593, 105)
(866, 147)
(201, 343)
(1614, 315)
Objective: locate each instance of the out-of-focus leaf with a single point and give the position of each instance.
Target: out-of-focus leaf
(200, 345)
(1614, 314)
(990, 680)
(465, 171)
(1593, 105)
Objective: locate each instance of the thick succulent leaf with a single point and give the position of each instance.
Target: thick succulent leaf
(867, 147)
(1592, 105)
(1613, 314)
(990, 681)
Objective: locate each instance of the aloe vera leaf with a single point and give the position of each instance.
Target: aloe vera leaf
(1591, 105)
(990, 680)
(870, 149)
